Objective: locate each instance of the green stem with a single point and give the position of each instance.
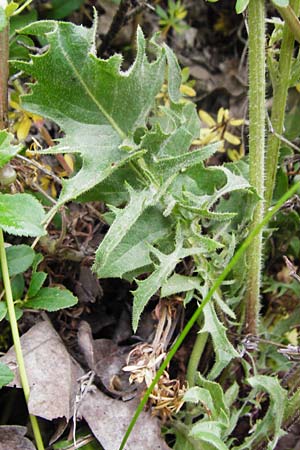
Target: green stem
(245, 245)
(256, 22)
(195, 357)
(16, 340)
(4, 48)
(280, 91)
(290, 17)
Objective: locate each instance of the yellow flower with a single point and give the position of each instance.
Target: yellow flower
(22, 119)
(217, 130)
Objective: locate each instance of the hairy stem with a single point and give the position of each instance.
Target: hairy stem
(256, 21)
(16, 340)
(280, 91)
(4, 49)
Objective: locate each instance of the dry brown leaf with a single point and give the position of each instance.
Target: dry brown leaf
(51, 371)
(107, 360)
(12, 438)
(108, 420)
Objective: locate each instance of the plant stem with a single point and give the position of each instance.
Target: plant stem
(256, 22)
(195, 357)
(16, 340)
(280, 91)
(241, 250)
(4, 49)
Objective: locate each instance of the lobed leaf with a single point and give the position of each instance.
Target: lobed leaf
(148, 287)
(98, 107)
(124, 221)
(271, 422)
(224, 350)
(132, 253)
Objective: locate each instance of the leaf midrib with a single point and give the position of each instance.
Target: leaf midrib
(87, 90)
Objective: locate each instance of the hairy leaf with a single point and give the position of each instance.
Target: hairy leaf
(21, 215)
(270, 424)
(147, 288)
(96, 104)
(7, 151)
(207, 432)
(224, 350)
(132, 253)
(124, 221)
(179, 283)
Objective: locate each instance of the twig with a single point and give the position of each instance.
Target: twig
(40, 167)
(116, 25)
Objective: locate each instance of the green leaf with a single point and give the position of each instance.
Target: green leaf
(174, 76)
(19, 258)
(3, 19)
(7, 151)
(132, 253)
(176, 127)
(6, 375)
(224, 350)
(167, 166)
(200, 431)
(147, 288)
(3, 310)
(271, 422)
(281, 3)
(220, 411)
(21, 215)
(124, 221)
(18, 286)
(200, 395)
(36, 282)
(233, 183)
(179, 283)
(52, 299)
(98, 107)
(241, 5)
(16, 50)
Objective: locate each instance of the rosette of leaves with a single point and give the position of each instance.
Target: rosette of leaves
(165, 204)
